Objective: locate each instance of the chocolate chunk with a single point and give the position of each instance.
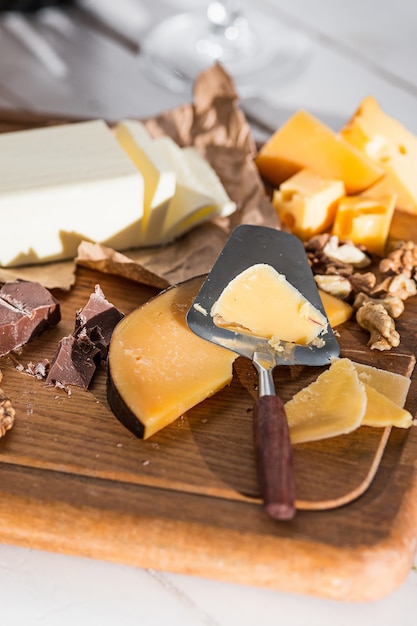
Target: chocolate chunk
(98, 318)
(79, 354)
(27, 309)
(73, 363)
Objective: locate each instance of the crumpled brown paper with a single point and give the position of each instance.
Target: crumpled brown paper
(216, 125)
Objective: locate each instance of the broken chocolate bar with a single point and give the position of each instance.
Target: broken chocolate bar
(98, 318)
(27, 309)
(79, 354)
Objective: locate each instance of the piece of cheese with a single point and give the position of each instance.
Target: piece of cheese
(394, 386)
(365, 221)
(306, 203)
(158, 368)
(344, 397)
(305, 142)
(199, 194)
(262, 302)
(337, 311)
(381, 411)
(390, 145)
(60, 185)
(334, 404)
(160, 179)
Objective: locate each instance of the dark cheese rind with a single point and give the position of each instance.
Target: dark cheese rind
(27, 309)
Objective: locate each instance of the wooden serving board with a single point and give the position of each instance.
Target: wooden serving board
(74, 480)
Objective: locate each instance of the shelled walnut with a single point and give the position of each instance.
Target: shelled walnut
(377, 304)
(373, 316)
(7, 412)
(401, 260)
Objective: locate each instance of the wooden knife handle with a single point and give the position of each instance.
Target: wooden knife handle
(273, 452)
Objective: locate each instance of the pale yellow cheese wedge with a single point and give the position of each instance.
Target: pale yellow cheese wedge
(159, 177)
(332, 405)
(305, 142)
(158, 368)
(394, 386)
(389, 144)
(199, 194)
(337, 311)
(306, 203)
(262, 302)
(346, 396)
(381, 411)
(365, 221)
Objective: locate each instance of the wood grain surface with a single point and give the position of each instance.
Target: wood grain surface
(74, 480)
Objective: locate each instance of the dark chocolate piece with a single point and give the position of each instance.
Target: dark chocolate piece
(73, 363)
(98, 318)
(27, 309)
(79, 354)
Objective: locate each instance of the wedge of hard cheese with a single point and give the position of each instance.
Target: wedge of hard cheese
(391, 146)
(305, 142)
(60, 185)
(158, 368)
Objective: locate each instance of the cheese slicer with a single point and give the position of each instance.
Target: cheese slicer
(249, 245)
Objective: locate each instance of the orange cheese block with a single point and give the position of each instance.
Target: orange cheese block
(158, 368)
(365, 221)
(305, 142)
(337, 311)
(306, 203)
(390, 145)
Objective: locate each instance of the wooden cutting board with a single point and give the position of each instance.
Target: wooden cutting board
(74, 480)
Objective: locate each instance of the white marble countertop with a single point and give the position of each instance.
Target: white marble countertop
(64, 65)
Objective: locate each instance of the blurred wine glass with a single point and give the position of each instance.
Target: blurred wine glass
(252, 46)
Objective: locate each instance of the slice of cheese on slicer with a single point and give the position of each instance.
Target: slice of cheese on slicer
(160, 178)
(262, 302)
(199, 194)
(62, 184)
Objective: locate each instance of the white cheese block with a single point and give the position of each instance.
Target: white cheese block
(160, 179)
(63, 184)
(199, 195)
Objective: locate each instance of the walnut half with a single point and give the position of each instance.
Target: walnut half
(375, 318)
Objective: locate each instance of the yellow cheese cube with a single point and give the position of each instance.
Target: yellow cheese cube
(305, 142)
(158, 368)
(390, 145)
(306, 203)
(365, 221)
(338, 311)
